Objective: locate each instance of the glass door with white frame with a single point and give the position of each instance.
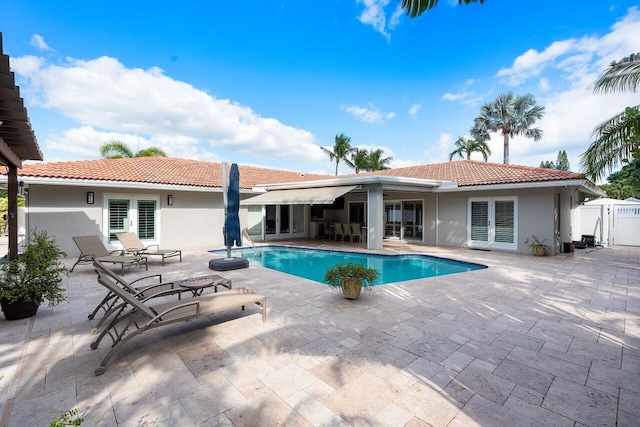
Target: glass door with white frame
(392, 219)
(139, 214)
(492, 222)
(284, 221)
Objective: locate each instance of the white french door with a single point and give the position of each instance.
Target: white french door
(139, 214)
(492, 222)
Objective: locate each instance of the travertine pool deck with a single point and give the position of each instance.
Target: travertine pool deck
(527, 342)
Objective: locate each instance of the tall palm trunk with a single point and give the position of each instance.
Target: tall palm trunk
(506, 147)
(337, 162)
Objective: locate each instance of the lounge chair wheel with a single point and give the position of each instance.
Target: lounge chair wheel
(94, 345)
(94, 331)
(99, 370)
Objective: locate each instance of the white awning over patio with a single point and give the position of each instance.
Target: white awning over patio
(299, 196)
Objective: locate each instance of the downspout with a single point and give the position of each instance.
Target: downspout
(437, 219)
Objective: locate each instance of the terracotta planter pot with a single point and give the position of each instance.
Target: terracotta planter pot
(539, 250)
(19, 309)
(351, 289)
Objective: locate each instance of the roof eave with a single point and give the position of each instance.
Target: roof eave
(359, 180)
(585, 185)
(89, 183)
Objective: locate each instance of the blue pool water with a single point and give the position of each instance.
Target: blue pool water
(312, 263)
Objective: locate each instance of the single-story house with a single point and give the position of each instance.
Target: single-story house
(178, 203)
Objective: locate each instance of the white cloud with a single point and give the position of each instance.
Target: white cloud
(544, 84)
(413, 111)
(531, 63)
(395, 17)
(85, 142)
(455, 96)
(38, 41)
(374, 14)
(368, 114)
(565, 72)
(27, 65)
(105, 98)
(575, 56)
(439, 150)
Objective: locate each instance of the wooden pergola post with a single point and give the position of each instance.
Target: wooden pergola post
(17, 143)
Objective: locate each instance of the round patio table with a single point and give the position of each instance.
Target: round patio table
(197, 285)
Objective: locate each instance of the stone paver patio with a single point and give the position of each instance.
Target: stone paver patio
(529, 341)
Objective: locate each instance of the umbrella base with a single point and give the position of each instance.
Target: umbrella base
(225, 264)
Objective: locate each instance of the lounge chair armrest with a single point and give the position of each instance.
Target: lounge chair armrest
(152, 246)
(134, 251)
(196, 305)
(159, 276)
(164, 293)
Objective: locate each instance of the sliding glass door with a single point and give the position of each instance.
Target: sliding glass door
(284, 221)
(403, 220)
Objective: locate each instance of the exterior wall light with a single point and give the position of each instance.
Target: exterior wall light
(90, 197)
(170, 200)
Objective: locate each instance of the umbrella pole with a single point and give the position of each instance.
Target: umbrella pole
(225, 186)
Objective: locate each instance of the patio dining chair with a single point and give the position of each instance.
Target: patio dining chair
(356, 232)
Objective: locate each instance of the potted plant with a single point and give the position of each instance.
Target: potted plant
(33, 277)
(351, 278)
(537, 245)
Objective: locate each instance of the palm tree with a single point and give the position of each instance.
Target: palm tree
(416, 7)
(360, 160)
(341, 149)
(511, 115)
(114, 149)
(468, 146)
(377, 162)
(617, 140)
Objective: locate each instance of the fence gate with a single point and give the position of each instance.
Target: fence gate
(626, 225)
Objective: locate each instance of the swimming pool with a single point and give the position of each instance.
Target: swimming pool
(312, 263)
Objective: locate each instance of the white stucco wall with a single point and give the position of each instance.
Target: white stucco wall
(194, 220)
(535, 216)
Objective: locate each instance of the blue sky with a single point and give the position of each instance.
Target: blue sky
(267, 83)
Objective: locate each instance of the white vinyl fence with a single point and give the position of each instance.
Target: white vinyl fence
(610, 224)
(626, 223)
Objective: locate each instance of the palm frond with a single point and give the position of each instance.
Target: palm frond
(616, 140)
(114, 149)
(621, 76)
(414, 8)
(151, 151)
(329, 153)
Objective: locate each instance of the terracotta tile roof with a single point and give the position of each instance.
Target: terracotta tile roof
(173, 171)
(161, 170)
(471, 172)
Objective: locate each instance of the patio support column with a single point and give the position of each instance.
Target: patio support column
(12, 211)
(375, 217)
